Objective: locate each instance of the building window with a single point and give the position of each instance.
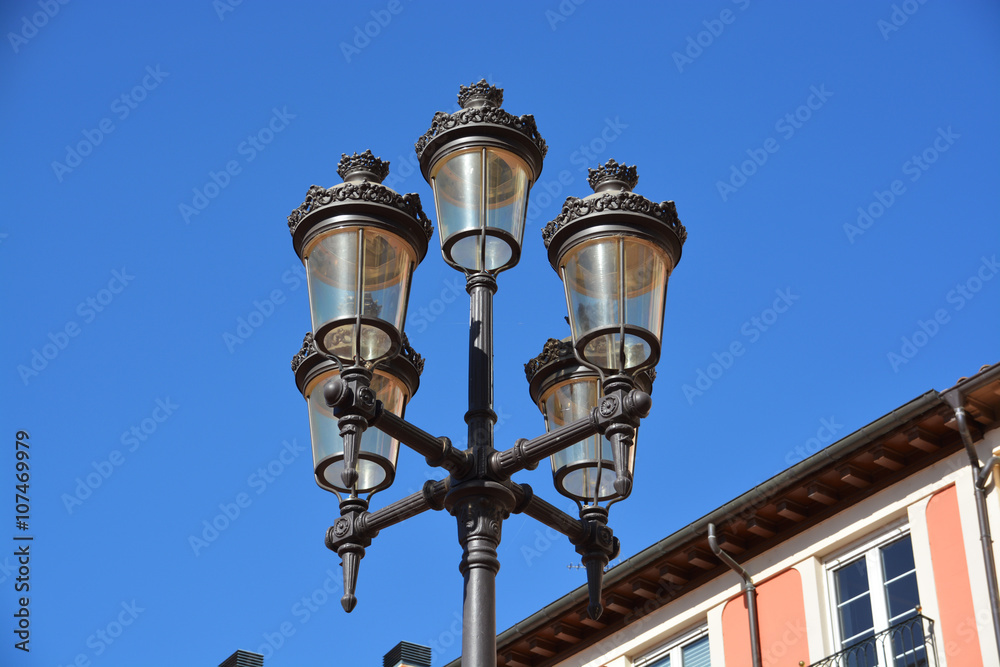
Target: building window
(874, 590)
(689, 650)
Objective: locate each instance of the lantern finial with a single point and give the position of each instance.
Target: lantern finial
(364, 167)
(480, 94)
(612, 176)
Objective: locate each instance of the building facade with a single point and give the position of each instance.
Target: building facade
(868, 552)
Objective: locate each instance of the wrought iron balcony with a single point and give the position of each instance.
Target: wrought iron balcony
(909, 643)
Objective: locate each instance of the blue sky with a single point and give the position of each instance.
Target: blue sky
(834, 161)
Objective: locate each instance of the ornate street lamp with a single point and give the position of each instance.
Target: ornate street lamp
(360, 242)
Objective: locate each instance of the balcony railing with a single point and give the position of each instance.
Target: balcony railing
(909, 643)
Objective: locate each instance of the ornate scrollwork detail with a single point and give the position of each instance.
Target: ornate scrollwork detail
(341, 526)
(445, 121)
(366, 162)
(376, 193)
(608, 406)
(481, 90)
(412, 355)
(612, 171)
(575, 208)
(480, 518)
(366, 396)
(308, 347)
(552, 351)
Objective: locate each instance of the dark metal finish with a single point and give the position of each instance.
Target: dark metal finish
(614, 204)
(360, 202)
(527, 453)
(480, 416)
(622, 410)
(308, 364)
(353, 421)
(481, 122)
(480, 94)
(481, 126)
(411, 655)
(356, 527)
(308, 347)
(749, 593)
(909, 642)
(544, 512)
(349, 539)
(480, 506)
(614, 212)
(431, 497)
(612, 176)
(558, 363)
(597, 547)
(354, 198)
(365, 166)
(478, 491)
(438, 451)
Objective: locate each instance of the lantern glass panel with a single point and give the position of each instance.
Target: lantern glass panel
(584, 471)
(603, 296)
(337, 287)
(377, 458)
(458, 181)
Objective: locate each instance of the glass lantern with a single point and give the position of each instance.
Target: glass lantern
(614, 251)
(360, 242)
(481, 195)
(616, 288)
(359, 280)
(564, 391)
(394, 383)
(481, 163)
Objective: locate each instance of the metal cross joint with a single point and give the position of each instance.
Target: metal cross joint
(622, 406)
(597, 547)
(349, 537)
(354, 404)
(350, 393)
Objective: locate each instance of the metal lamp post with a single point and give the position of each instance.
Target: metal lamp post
(360, 242)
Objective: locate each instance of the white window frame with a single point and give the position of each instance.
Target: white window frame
(673, 648)
(867, 547)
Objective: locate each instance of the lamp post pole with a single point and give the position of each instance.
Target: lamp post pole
(360, 242)
(479, 504)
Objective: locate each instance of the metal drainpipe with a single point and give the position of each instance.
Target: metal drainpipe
(980, 474)
(749, 593)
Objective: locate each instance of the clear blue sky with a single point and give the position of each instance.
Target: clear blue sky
(828, 107)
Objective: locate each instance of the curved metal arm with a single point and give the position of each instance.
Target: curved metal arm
(546, 513)
(439, 452)
(623, 408)
(431, 497)
(356, 527)
(590, 534)
(527, 453)
(349, 397)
